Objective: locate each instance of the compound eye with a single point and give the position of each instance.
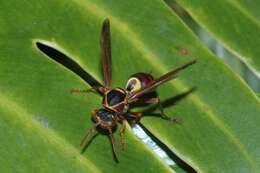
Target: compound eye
(133, 85)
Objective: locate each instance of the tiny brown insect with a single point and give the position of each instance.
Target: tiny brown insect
(115, 101)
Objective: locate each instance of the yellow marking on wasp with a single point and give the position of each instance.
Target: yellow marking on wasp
(136, 84)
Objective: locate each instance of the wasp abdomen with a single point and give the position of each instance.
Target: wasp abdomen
(138, 81)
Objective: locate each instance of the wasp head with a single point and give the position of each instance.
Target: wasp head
(105, 118)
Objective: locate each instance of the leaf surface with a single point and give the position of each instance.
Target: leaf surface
(219, 119)
(235, 24)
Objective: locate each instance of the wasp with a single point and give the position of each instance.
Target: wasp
(116, 101)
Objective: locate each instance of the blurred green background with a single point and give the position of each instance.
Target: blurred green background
(252, 78)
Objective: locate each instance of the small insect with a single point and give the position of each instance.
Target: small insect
(116, 101)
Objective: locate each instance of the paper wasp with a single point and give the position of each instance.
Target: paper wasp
(116, 101)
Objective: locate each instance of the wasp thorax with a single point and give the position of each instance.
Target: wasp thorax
(115, 96)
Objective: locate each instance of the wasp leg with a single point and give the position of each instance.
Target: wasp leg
(122, 134)
(146, 100)
(166, 117)
(90, 133)
(137, 117)
(160, 107)
(112, 139)
(96, 90)
(75, 90)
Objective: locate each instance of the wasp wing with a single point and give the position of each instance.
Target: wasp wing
(105, 44)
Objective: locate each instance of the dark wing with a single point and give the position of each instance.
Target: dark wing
(106, 53)
(164, 78)
(68, 63)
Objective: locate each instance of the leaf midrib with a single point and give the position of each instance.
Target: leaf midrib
(178, 84)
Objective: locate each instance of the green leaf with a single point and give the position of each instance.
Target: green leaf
(41, 122)
(219, 126)
(235, 24)
(251, 7)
